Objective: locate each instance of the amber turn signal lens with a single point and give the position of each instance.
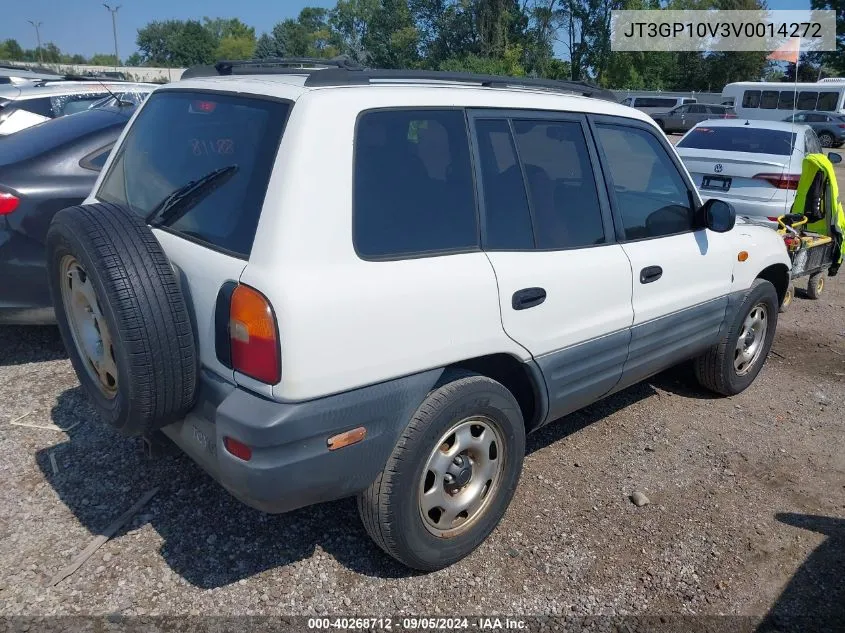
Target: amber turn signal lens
(253, 336)
(345, 439)
(742, 256)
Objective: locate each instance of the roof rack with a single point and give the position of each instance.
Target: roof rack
(340, 71)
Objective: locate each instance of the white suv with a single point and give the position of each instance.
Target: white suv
(333, 282)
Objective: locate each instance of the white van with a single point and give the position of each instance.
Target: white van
(774, 101)
(650, 105)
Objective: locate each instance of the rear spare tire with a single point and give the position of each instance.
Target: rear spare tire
(122, 317)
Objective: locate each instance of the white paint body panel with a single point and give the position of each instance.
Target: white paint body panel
(345, 322)
(696, 268)
(588, 295)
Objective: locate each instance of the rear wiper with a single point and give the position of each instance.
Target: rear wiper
(186, 197)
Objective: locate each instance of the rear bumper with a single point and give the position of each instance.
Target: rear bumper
(291, 465)
(757, 209)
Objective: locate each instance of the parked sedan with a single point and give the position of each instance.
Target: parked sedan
(684, 117)
(44, 169)
(755, 165)
(829, 126)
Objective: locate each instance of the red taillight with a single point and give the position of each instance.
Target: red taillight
(842, 125)
(253, 336)
(8, 203)
(728, 115)
(238, 449)
(781, 181)
(772, 218)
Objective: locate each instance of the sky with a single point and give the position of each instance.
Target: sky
(84, 26)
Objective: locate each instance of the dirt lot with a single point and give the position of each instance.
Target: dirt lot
(747, 512)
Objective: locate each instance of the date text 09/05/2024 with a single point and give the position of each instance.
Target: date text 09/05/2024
(417, 624)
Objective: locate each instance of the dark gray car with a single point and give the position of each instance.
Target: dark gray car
(829, 126)
(44, 169)
(685, 117)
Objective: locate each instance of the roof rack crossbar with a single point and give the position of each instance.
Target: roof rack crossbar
(226, 67)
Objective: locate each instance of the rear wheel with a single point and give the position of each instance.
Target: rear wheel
(451, 476)
(826, 139)
(815, 285)
(730, 366)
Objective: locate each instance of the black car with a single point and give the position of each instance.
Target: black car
(44, 169)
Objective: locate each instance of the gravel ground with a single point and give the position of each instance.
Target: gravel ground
(746, 512)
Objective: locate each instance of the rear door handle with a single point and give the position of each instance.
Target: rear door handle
(650, 273)
(528, 298)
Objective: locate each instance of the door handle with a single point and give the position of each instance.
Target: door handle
(528, 298)
(650, 273)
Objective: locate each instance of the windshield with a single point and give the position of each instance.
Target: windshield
(180, 137)
(740, 139)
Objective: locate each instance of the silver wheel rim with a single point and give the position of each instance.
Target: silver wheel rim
(825, 140)
(752, 339)
(461, 477)
(88, 328)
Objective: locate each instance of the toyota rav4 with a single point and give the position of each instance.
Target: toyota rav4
(333, 281)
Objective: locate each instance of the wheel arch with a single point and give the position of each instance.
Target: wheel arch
(523, 379)
(778, 275)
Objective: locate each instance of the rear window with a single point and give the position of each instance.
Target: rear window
(740, 139)
(181, 136)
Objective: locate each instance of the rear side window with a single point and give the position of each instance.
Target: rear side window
(740, 139)
(413, 190)
(769, 100)
(787, 100)
(181, 136)
(688, 101)
(650, 193)
(807, 100)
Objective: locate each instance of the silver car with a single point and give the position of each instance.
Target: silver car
(754, 165)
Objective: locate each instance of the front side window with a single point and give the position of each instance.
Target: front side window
(180, 137)
(413, 184)
(650, 193)
(561, 184)
(697, 109)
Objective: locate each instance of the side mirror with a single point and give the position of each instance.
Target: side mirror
(834, 158)
(719, 216)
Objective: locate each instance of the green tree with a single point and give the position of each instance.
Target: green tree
(11, 50)
(381, 33)
(236, 48)
(834, 60)
(134, 59)
(266, 47)
(176, 43)
(221, 28)
(101, 59)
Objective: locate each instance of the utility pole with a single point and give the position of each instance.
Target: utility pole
(113, 12)
(38, 37)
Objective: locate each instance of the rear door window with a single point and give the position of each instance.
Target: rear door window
(42, 106)
(413, 188)
(181, 136)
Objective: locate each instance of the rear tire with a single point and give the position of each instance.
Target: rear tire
(826, 139)
(730, 366)
(122, 317)
(815, 285)
(400, 509)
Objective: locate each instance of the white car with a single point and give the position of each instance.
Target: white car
(754, 165)
(24, 106)
(385, 305)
